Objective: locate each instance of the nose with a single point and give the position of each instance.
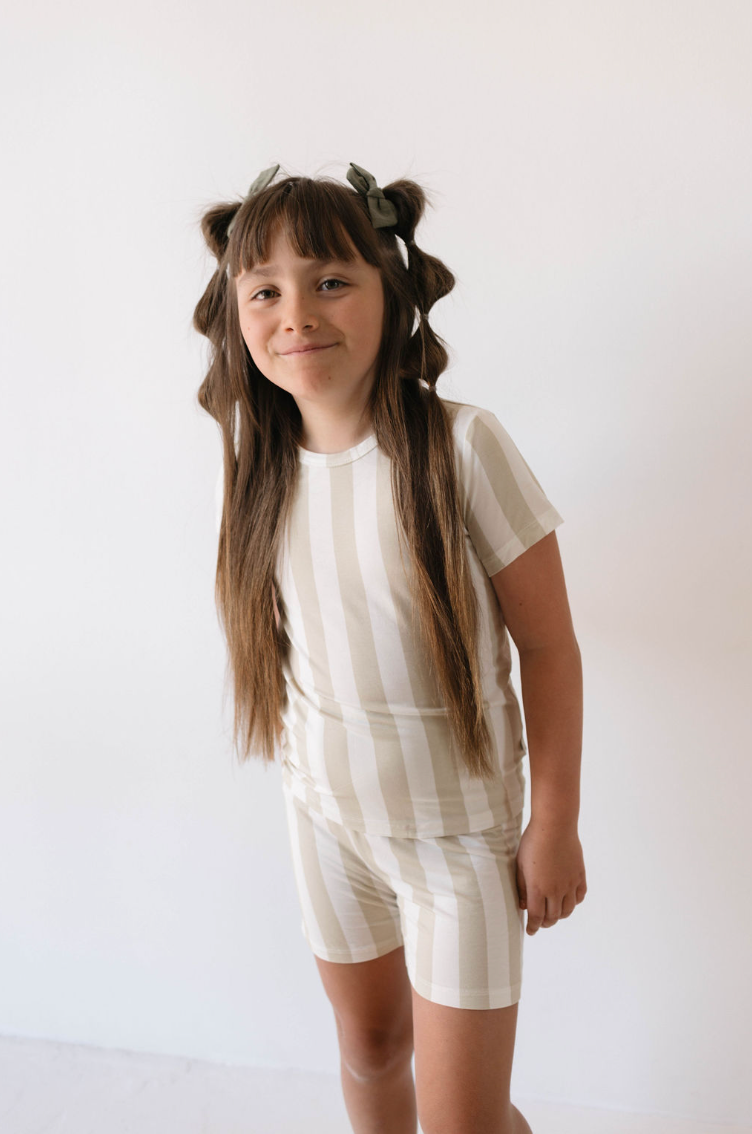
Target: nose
(299, 313)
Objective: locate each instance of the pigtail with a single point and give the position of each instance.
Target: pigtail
(431, 278)
(210, 311)
(425, 356)
(214, 225)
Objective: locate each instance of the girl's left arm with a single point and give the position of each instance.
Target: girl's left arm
(534, 604)
(533, 599)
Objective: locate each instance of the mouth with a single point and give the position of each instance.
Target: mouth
(307, 350)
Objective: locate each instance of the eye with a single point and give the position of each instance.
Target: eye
(331, 279)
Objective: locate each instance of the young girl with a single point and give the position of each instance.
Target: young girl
(376, 542)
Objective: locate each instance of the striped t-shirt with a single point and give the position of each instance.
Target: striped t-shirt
(367, 741)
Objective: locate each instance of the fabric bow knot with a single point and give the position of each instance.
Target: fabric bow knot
(260, 183)
(382, 211)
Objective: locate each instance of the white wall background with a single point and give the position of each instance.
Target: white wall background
(591, 169)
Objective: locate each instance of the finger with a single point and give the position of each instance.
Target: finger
(553, 912)
(568, 904)
(536, 913)
(521, 890)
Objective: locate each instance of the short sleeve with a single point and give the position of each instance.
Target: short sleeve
(504, 506)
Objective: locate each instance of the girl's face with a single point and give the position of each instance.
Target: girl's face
(337, 307)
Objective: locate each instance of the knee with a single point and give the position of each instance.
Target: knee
(369, 1055)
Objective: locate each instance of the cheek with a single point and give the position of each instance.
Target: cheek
(254, 339)
(377, 318)
(377, 329)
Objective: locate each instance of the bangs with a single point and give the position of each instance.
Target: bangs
(317, 216)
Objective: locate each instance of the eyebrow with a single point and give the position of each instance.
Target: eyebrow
(272, 269)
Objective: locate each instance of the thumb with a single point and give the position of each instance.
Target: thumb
(522, 891)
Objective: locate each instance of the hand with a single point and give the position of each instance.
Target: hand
(550, 873)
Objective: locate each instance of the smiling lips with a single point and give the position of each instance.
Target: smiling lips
(308, 349)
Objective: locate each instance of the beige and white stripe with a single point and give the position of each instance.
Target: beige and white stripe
(451, 901)
(367, 742)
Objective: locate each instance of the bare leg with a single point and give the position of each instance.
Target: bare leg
(463, 1067)
(518, 1123)
(373, 1014)
(384, 1101)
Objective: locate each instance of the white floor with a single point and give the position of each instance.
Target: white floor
(57, 1088)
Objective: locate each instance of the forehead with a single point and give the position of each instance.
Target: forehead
(282, 254)
(280, 263)
(296, 237)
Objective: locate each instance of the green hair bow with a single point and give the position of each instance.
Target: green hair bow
(383, 212)
(260, 183)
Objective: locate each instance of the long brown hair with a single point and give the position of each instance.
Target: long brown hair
(261, 428)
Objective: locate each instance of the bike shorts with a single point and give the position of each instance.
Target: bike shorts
(452, 901)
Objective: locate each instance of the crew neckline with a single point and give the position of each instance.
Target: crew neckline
(308, 457)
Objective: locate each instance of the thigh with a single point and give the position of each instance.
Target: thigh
(349, 910)
(462, 922)
(463, 1067)
(351, 920)
(372, 1003)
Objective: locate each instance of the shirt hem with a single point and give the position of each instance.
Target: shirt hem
(522, 541)
(408, 829)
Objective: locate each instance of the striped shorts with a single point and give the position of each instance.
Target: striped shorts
(452, 901)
